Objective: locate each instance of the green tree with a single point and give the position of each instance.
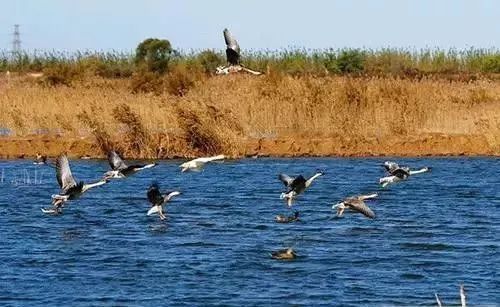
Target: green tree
(351, 61)
(155, 54)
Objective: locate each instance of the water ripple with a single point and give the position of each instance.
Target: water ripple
(431, 233)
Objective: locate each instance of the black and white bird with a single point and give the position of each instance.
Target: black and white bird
(157, 200)
(70, 189)
(122, 170)
(398, 173)
(198, 163)
(356, 203)
(233, 57)
(296, 186)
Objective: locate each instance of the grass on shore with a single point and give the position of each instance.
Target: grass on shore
(395, 62)
(217, 114)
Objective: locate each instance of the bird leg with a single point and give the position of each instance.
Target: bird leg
(340, 209)
(58, 204)
(160, 212)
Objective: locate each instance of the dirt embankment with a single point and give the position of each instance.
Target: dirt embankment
(424, 145)
(244, 116)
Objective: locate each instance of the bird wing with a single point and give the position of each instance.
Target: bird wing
(168, 195)
(231, 42)
(115, 161)
(154, 195)
(287, 180)
(63, 173)
(233, 49)
(208, 159)
(359, 206)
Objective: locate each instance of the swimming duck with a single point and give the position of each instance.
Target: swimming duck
(70, 189)
(296, 186)
(157, 200)
(122, 170)
(39, 160)
(287, 219)
(357, 204)
(284, 254)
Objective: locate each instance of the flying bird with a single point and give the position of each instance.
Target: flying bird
(356, 203)
(295, 186)
(198, 163)
(157, 200)
(70, 189)
(122, 170)
(398, 173)
(233, 57)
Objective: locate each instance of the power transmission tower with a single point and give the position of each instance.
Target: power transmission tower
(16, 41)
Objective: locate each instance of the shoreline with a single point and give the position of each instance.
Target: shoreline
(437, 145)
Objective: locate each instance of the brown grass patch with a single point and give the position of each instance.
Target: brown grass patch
(220, 114)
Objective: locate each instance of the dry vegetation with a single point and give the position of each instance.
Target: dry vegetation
(276, 114)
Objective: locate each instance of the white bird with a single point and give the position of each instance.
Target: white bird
(70, 189)
(198, 163)
(122, 170)
(157, 200)
(295, 186)
(356, 203)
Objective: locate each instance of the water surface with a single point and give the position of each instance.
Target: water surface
(431, 233)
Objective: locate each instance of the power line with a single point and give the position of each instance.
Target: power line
(16, 41)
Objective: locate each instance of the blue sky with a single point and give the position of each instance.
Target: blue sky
(257, 24)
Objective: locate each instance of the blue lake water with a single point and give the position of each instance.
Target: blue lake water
(431, 233)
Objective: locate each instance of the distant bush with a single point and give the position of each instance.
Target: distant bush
(97, 129)
(491, 63)
(145, 81)
(157, 56)
(210, 60)
(136, 137)
(154, 54)
(351, 61)
(330, 62)
(60, 74)
(179, 81)
(199, 135)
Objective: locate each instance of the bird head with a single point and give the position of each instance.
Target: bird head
(338, 205)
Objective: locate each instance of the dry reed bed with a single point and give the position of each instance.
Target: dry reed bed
(221, 114)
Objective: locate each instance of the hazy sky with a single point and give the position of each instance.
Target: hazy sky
(257, 24)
